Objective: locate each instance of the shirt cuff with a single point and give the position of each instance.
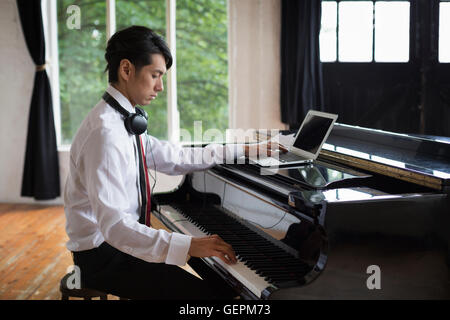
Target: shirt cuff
(178, 249)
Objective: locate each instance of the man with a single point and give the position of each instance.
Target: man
(102, 197)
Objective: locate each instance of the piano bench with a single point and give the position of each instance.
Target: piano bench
(85, 293)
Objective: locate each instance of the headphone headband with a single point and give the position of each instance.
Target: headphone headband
(115, 104)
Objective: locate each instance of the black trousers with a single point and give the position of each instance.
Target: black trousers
(112, 271)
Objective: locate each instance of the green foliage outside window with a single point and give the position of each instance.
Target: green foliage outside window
(81, 63)
(202, 67)
(202, 64)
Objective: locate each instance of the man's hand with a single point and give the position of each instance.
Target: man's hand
(212, 246)
(263, 149)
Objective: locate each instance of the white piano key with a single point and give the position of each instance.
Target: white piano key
(243, 274)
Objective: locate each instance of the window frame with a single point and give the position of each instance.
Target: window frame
(50, 23)
(49, 11)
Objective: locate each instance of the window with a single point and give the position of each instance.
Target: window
(365, 31)
(202, 68)
(81, 64)
(444, 32)
(201, 62)
(355, 23)
(391, 31)
(327, 38)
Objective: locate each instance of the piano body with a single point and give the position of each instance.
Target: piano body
(369, 219)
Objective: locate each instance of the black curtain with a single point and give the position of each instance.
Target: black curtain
(301, 70)
(374, 95)
(41, 169)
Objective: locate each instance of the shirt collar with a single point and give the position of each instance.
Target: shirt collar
(124, 102)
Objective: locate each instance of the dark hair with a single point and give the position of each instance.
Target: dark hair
(136, 44)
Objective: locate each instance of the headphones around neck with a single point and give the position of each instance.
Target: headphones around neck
(135, 123)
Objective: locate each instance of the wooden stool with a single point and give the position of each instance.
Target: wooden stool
(85, 293)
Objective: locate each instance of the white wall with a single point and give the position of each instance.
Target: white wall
(254, 85)
(254, 64)
(16, 84)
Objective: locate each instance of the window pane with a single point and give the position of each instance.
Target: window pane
(444, 32)
(81, 63)
(327, 38)
(202, 66)
(355, 31)
(392, 31)
(152, 14)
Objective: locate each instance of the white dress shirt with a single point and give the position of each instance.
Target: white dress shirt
(102, 197)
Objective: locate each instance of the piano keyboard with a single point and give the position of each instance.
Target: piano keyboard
(261, 264)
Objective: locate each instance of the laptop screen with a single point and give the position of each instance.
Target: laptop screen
(314, 130)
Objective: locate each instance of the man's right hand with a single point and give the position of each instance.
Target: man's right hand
(263, 149)
(212, 246)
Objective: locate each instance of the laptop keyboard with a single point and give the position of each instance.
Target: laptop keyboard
(282, 158)
(288, 157)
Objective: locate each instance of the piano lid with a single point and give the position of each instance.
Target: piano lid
(411, 158)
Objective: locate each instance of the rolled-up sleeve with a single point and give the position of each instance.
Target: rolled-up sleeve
(103, 163)
(174, 159)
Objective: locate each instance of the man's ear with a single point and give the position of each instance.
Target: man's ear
(125, 69)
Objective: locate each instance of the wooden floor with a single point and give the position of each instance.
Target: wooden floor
(33, 255)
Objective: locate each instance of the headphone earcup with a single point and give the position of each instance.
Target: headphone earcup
(136, 124)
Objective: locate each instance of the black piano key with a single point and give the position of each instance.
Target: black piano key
(274, 274)
(286, 266)
(261, 265)
(259, 254)
(279, 267)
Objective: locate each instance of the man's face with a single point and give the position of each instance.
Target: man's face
(143, 86)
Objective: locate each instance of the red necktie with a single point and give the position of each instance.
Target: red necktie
(144, 185)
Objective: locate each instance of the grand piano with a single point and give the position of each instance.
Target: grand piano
(369, 219)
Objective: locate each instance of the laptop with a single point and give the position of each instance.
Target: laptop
(307, 143)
